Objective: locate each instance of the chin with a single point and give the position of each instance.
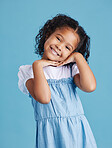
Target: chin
(52, 58)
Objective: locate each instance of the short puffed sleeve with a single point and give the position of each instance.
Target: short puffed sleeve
(25, 73)
(75, 69)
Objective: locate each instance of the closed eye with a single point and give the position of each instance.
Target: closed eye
(58, 38)
(67, 47)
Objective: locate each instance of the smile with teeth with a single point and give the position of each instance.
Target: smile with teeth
(54, 51)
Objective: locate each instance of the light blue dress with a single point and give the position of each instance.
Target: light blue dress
(61, 123)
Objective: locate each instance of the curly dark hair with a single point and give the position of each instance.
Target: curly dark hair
(62, 20)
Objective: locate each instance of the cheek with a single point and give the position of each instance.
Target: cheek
(66, 53)
(46, 44)
(64, 56)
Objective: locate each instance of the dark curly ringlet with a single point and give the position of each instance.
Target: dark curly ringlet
(62, 20)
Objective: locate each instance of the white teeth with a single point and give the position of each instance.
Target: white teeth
(54, 52)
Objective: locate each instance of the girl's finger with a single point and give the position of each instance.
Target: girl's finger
(56, 62)
(60, 64)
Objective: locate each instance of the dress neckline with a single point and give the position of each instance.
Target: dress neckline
(62, 80)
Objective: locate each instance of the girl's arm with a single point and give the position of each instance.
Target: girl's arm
(38, 86)
(41, 87)
(85, 80)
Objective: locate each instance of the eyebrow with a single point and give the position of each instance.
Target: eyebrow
(63, 38)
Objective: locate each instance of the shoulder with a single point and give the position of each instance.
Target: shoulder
(25, 68)
(25, 72)
(75, 69)
(76, 76)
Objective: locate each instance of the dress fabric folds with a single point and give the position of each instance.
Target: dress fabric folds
(61, 123)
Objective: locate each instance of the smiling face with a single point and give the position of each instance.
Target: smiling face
(60, 44)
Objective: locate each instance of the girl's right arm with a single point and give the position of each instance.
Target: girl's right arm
(38, 86)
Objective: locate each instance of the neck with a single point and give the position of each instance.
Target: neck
(44, 57)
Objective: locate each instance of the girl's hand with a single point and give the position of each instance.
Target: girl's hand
(69, 59)
(44, 62)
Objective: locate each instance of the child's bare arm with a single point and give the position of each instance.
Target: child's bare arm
(29, 84)
(38, 86)
(41, 87)
(85, 80)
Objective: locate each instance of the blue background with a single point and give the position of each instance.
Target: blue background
(19, 24)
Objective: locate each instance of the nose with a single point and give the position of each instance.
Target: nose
(58, 47)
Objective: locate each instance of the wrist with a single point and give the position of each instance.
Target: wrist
(37, 63)
(77, 55)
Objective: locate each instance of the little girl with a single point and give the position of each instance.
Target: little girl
(51, 84)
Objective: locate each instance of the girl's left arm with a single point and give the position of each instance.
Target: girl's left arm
(85, 80)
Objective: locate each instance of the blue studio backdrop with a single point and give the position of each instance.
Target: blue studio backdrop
(19, 24)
